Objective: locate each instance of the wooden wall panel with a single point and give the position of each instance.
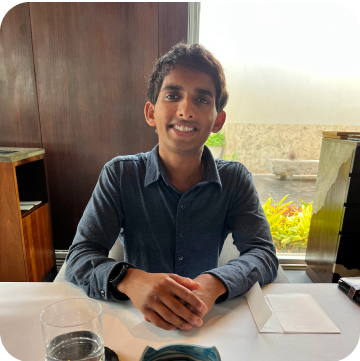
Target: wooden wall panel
(91, 60)
(19, 117)
(173, 24)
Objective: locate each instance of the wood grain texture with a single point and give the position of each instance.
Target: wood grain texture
(91, 61)
(29, 160)
(12, 262)
(173, 24)
(19, 116)
(38, 243)
(324, 230)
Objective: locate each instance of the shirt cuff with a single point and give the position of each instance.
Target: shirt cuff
(104, 290)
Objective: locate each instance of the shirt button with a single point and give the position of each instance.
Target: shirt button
(182, 235)
(182, 206)
(102, 294)
(181, 258)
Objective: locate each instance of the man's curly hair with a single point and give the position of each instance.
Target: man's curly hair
(194, 57)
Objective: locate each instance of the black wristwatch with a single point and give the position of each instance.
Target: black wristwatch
(119, 275)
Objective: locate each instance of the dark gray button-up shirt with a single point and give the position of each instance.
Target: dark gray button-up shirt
(166, 231)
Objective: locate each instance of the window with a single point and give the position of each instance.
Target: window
(293, 71)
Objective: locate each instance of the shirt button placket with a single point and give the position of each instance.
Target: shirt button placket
(183, 231)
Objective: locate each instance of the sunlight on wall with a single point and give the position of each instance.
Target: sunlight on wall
(286, 63)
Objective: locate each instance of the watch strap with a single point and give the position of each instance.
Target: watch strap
(116, 276)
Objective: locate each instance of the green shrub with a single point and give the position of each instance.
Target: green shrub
(216, 139)
(289, 224)
(233, 156)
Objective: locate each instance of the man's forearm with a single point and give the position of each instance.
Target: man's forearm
(212, 284)
(240, 274)
(86, 267)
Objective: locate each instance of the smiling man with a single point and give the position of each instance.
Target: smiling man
(174, 206)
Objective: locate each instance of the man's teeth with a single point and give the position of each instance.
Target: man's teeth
(183, 129)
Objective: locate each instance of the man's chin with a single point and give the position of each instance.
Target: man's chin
(182, 149)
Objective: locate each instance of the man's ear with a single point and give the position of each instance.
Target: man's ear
(149, 111)
(219, 122)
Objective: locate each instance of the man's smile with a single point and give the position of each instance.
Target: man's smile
(182, 130)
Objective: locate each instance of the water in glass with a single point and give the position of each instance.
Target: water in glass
(75, 346)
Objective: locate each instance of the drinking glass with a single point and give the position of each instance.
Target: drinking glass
(72, 330)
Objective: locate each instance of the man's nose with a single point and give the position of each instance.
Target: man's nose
(185, 109)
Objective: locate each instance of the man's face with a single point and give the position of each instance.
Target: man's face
(185, 112)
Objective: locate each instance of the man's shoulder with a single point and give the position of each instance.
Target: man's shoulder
(227, 168)
(128, 160)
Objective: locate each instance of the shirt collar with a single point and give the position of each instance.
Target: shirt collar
(154, 168)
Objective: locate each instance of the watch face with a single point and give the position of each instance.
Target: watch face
(120, 276)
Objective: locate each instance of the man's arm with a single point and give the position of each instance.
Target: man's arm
(89, 267)
(87, 262)
(251, 233)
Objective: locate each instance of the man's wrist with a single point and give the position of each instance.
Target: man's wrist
(217, 287)
(123, 286)
(116, 276)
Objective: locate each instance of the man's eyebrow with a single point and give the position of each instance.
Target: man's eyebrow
(172, 87)
(204, 92)
(197, 90)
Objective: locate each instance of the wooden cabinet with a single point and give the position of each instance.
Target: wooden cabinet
(333, 249)
(26, 246)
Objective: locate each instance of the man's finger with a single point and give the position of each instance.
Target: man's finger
(158, 321)
(186, 282)
(182, 311)
(188, 296)
(169, 316)
(192, 309)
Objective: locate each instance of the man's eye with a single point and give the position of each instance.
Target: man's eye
(202, 100)
(171, 96)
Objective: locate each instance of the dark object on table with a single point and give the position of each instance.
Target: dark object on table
(110, 355)
(181, 352)
(351, 286)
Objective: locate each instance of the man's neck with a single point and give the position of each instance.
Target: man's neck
(183, 170)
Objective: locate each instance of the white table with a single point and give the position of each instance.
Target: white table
(229, 326)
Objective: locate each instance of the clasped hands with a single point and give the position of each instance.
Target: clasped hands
(170, 301)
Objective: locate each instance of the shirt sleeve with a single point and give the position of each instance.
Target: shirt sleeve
(87, 262)
(252, 237)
